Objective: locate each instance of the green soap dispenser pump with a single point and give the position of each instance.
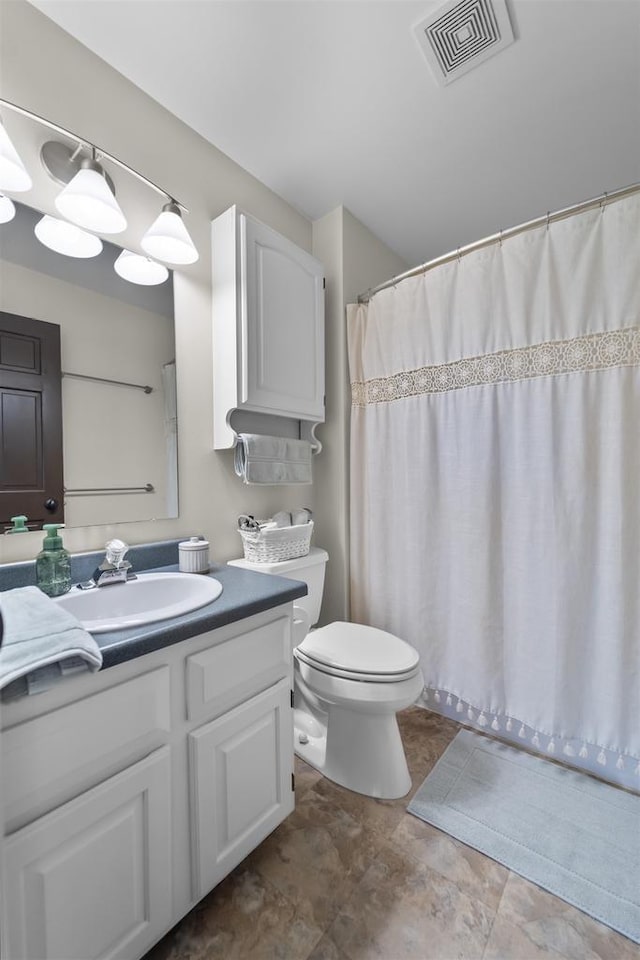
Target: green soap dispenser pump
(19, 525)
(53, 563)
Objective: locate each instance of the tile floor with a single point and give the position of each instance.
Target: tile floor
(346, 877)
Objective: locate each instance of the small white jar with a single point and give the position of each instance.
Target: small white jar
(193, 555)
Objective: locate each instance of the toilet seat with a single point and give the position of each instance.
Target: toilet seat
(354, 651)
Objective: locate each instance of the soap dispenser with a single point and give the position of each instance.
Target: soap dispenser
(53, 563)
(19, 525)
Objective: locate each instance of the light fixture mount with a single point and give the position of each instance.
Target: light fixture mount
(62, 162)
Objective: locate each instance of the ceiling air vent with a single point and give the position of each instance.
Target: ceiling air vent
(461, 35)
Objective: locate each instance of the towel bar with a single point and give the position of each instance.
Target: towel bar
(118, 383)
(105, 491)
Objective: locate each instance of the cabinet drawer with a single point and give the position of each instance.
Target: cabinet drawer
(75, 746)
(220, 677)
(93, 878)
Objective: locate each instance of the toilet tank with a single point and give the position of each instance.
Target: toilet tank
(310, 569)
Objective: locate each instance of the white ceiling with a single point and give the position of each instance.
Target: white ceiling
(331, 102)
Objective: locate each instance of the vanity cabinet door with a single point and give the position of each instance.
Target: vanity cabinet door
(283, 344)
(241, 787)
(92, 879)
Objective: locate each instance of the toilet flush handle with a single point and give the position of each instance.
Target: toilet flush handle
(301, 624)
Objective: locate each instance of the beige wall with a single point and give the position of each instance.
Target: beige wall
(354, 260)
(330, 506)
(50, 73)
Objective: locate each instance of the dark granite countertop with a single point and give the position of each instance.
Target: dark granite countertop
(244, 593)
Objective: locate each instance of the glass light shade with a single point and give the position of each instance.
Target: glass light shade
(88, 201)
(7, 209)
(65, 238)
(168, 239)
(138, 269)
(13, 173)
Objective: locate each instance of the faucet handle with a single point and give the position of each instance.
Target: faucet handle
(116, 551)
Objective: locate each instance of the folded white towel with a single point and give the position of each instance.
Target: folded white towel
(260, 459)
(38, 632)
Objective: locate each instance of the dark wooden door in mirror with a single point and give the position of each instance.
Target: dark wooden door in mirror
(31, 480)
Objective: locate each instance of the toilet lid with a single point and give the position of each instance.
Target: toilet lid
(360, 651)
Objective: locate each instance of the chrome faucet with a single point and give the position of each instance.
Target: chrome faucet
(114, 568)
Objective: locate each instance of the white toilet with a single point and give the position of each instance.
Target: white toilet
(350, 681)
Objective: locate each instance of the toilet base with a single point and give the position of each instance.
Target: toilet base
(359, 751)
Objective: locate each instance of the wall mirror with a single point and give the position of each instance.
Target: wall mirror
(117, 359)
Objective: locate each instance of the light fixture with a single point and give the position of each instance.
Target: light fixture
(13, 173)
(7, 209)
(88, 201)
(168, 239)
(88, 196)
(66, 238)
(138, 269)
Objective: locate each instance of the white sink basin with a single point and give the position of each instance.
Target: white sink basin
(152, 597)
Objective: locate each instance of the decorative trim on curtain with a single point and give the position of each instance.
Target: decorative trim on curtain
(595, 351)
(580, 752)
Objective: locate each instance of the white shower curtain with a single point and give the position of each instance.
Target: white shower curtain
(495, 483)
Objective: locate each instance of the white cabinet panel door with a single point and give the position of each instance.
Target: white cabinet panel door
(241, 769)
(283, 336)
(92, 879)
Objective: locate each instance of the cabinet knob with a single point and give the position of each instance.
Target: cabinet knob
(51, 505)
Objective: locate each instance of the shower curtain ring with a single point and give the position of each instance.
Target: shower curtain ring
(500, 237)
(458, 254)
(603, 201)
(548, 219)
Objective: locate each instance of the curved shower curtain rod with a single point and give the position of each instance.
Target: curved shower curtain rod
(600, 201)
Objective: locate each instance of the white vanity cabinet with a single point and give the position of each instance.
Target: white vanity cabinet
(130, 793)
(268, 326)
(93, 877)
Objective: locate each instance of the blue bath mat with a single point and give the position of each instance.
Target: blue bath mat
(565, 831)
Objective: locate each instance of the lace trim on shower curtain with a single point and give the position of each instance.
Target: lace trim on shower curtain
(544, 742)
(595, 351)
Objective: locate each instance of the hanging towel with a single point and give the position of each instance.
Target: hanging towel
(260, 459)
(38, 632)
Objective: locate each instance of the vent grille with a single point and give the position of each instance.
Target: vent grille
(462, 35)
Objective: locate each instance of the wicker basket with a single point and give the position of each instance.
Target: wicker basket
(278, 543)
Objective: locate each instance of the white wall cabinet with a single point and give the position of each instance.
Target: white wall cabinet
(110, 839)
(268, 323)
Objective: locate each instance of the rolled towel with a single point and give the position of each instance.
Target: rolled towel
(38, 632)
(282, 519)
(260, 459)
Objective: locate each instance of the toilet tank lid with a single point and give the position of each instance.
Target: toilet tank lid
(315, 556)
